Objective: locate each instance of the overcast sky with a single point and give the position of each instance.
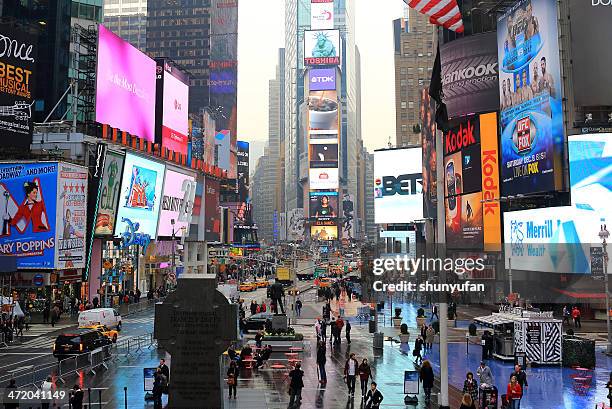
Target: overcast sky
(261, 34)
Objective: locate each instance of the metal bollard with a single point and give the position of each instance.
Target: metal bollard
(89, 398)
(125, 396)
(100, 398)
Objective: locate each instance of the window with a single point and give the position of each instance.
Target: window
(411, 105)
(404, 129)
(403, 104)
(420, 82)
(402, 83)
(403, 70)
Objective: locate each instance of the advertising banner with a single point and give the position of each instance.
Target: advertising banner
(322, 79)
(223, 82)
(462, 158)
(172, 107)
(322, 47)
(28, 202)
(321, 233)
(532, 140)
(243, 171)
(222, 147)
(322, 15)
(324, 178)
(17, 86)
(295, 224)
(211, 210)
(464, 221)
(559, 239)
(140, 195)
(125, 86)
(109, 194)
(428, 140)
(590, 24)
(348, 213)
(398, 195)
(324, 155)
(470, 75)
(71, 216)
(177, 203)
(323, 111)
(323, 204)
(489, 163)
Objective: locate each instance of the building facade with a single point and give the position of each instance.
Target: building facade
(413, 38)
(128, 19)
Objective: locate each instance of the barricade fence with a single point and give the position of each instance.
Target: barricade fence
(88, 362)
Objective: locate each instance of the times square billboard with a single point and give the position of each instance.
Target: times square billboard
(125, 86)
(172, 107)
(532, 138)
(322, 47)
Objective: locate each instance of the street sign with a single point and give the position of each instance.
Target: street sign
(38, 280)
(597, 264)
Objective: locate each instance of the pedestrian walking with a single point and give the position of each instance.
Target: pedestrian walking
(348, 332)
(373, 398)
(158, 389)
(11, 385)
(521, 378)
(258, 339)
(298, 307)
(54, 315)
(484, 374)
(76, 398)
(296, 385)
(164, 368)
(470, 386)
(323, 330)
(467, 402)
(514, 393)
(321, 360)
(427, 378)
(434, 312)
(350, 373)
(232, 378)
(418, 346)
(566, 315)
(333, 328)
(46, 312)
(365, 373)
(609, 387)
(47, 387)
(576, 316)
(429, 340)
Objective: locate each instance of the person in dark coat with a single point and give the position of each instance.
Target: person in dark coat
(427, 378)
(321, 360)
(470, 386)
(158, 389)
(296, 385)
(373, 398)
(164, 368)
(12, 385)
(348, 332)
(232, 378)
(76, 400)
(365, 373)
(418, 347)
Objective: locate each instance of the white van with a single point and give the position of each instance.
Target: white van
(102, 316)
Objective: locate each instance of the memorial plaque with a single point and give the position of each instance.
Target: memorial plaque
(195, 324)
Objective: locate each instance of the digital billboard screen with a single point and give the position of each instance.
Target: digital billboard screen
(222, 148)
(71, 216)
(323, 204)
(323, 109)
(470, 75)
(17, 86)
(28, 202)
(322, 79)
(322, 233)
(140, 195)
(398, 194)
(175, 111)
(462, 172)
(464, 221)
(326, 178)
(324, 155)
(322, 14)
(176, 204)
(243, 171)
(428, 140)
(532, 141)
(322, 47)
(211, 210)
(109, 194)
(125, 86)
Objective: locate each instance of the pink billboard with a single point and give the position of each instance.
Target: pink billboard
(177, 204)
(125, 86)
(175, 123)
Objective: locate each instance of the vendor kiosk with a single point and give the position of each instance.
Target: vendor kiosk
(536, 333)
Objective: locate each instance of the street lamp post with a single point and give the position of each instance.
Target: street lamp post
(603, 235)
(172, 222)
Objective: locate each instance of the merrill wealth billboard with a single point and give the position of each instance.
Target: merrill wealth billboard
(532, 141)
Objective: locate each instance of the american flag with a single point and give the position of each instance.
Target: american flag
(444, 13)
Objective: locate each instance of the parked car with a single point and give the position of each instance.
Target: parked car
(257, 321)
(78, 342)
(247, 287)
(100, 316)
(262, 283)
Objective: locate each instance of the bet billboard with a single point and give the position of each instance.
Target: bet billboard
(470, 75)
(71, 216)
(125, 86)
(176, 204)
(322, 47)
(323, 204)
(17, 86)
(471, 183)
(532, 141)
(321, 14)
(109, 194)
(398, 195)
(590, 25)
(140, 195)
(322, 79)
(172, 109)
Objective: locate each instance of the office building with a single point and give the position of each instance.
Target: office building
(128, 19)
(413, 38)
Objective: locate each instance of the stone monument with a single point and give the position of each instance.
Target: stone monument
(195, 325)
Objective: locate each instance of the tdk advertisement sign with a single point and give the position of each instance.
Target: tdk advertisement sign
(398, 185)
(323, 79)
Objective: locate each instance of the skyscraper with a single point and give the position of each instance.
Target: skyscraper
(414, 57)
(128, 19)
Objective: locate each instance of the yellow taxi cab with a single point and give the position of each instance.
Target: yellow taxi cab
(246, 287)
(325, 282)
(262, 283)
(104, 330)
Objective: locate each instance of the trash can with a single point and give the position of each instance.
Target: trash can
(372, 325)
(378, 340)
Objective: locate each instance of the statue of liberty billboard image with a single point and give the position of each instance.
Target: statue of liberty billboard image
(323, 46)
(141, 192)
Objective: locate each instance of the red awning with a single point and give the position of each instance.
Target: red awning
(579, 295)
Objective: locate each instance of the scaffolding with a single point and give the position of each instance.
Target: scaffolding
(84, 43)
